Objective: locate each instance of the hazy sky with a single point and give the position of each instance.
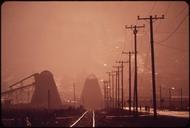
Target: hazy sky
(74, 39)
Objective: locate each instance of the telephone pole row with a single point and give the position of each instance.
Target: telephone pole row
(106, 94)
(134, 28)
(118, 86)
(112, 92)
(129, 53)
(122, 99)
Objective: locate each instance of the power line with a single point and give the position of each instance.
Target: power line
(179, 50)
(180, 12)
(148, 49)
(169, 5)
(152, 8)
(154, 5)
(149, 13)
(171, 34)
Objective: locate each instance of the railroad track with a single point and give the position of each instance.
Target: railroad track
(87, 119)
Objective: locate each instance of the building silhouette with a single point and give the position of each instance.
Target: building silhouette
(45, 94)
(91, 96)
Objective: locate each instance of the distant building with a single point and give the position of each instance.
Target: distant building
(45, 94)
(91, 96)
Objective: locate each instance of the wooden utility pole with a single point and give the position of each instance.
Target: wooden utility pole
(151, 18)
(113, 98)
(118, 86)
(122, 92)
(129, 101)
(109, 88)
(116, 95)
(106, 94)
(134, 28)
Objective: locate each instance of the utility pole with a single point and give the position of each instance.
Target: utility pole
(151, 18)
(129, 53)
(122, 101)
(106, 94)
(74, 97)
(116, 95)
(113, 100)
(135, 27)
(109, 88)
(118, 87)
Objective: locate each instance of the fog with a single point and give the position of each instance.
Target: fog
(75, 39)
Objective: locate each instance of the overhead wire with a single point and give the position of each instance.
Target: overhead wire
(167, 10)
(145, 33)
(159, 43)
(173, 32)
(153, 6)
(176, 49)
(174, 18)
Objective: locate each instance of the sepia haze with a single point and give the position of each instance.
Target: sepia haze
(75, 39)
